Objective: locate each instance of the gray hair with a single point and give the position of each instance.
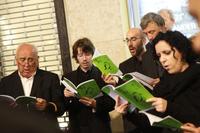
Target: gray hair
(152, 17)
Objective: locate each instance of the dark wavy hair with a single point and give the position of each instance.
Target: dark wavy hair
(176, 40)
(85, 44)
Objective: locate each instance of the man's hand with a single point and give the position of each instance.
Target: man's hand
(68, 93)
(91, 102)
(41, 104)
(110, 79)
(121, 108)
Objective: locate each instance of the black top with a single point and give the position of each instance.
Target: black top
(147, 66)
(182, 92)
(81, 118)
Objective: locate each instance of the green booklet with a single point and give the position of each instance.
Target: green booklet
(109, 90)
(11, 101)
(105, 65)
(167, 122)
(88, 88)
(134, 92)
(145, 80)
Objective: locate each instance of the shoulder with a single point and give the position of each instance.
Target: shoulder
(44, 73)
(70, 75)
(12, 76)
(128, 65)
(127, 62)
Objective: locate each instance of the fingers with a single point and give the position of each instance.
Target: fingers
(68, 93)
(155, 81)
(110, 79)
(41, 104)
(190, 129)
(160, 104)
(121, 108)
(88, 101)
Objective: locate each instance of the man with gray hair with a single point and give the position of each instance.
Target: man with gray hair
(152, 24)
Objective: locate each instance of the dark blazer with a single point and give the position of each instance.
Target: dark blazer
(146, 66)
(46, 85)
(130, 65)
(83, 119)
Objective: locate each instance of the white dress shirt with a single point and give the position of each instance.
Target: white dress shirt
(27, 84)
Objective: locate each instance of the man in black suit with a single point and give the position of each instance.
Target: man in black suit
(142, 59)
(29, 80)
(87, 115)
(139, 62)
(135, 40)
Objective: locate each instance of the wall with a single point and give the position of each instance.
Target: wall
(100, 21)
(29, 21)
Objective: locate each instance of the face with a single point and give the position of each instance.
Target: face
(168, 21)
(134, 42)
(84, 59)
(152, 30)
(27, 60)
(170, 59)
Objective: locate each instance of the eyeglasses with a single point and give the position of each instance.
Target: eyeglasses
(23, 60)
(131, 39)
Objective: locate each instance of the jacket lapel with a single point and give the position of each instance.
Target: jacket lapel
(17, 83)
(36, 84)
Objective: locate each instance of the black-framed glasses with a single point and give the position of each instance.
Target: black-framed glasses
(133, 38)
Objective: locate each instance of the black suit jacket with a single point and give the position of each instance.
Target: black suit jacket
(81, 118)
(130, 65)
(46, 85)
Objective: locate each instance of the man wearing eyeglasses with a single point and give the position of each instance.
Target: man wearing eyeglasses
(139, 62)
(29, 80)
(135, 40)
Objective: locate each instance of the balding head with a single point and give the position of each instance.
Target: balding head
(27, 59)
(135, 40)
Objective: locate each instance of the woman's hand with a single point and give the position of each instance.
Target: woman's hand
(190, 128)
(160, 104)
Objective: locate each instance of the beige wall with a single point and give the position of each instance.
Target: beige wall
(102, 22)
(33, 22)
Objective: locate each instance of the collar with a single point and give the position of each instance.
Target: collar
(25, 77)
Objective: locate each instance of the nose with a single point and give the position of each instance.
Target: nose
(129, 43)
(84, 57)
(150, 37)
(162, 59)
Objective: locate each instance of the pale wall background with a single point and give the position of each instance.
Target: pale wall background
(104, 22)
